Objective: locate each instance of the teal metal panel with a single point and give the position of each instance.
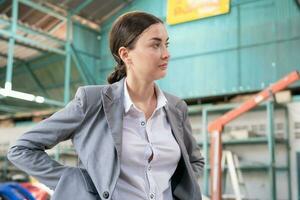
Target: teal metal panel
(206, 74)
(192, 39)
(258, 67)
(242, 51)
(257, 22)
(288, 58)
(86, 43)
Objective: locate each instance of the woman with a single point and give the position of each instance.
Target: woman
(133, 140)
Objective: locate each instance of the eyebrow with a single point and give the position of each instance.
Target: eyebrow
(158, 39)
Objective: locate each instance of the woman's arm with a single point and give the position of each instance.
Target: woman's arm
(196, 159)
(29, 154)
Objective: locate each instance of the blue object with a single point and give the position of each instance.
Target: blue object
(14, 191)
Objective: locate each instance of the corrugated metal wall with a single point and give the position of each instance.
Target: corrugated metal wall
(255, 44)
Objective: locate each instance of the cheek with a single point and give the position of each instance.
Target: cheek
(147, 60)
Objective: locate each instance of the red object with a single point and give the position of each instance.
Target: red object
(216, 128)
(37, 193)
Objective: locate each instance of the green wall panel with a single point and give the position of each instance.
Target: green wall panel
(245, 50)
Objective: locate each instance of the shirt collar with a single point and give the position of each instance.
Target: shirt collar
(161, 99)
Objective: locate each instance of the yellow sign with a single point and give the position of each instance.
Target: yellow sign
(187, 10)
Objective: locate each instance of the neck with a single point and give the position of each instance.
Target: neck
(139, 90)
(142, 94)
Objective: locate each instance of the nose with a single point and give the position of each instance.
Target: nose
(165, 55)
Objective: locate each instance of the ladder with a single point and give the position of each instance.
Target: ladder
(236, 177)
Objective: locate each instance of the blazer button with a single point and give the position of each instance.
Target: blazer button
(105, 195)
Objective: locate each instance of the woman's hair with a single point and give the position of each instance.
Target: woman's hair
(124, 33)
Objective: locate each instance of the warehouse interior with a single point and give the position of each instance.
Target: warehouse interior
(219, 61)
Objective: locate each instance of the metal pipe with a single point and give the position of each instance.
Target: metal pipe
(271, 147)
(79, 68)
(42, 9)
(81, 6)
(215, 164)
(68, 60)
(205, 151)
(11, 45)
(287, 143)
(31, 42)
(33, 31)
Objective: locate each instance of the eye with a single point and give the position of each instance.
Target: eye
(156, 45)
(167, 44)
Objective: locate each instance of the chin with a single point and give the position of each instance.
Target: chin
(161, 75)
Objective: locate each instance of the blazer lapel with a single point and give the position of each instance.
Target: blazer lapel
(175, 120)
(113, 105)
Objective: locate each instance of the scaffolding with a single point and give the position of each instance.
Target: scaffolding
(20, 43)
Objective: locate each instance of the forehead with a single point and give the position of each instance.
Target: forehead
(154, 31)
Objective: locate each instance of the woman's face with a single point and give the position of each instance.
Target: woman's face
(148, 60)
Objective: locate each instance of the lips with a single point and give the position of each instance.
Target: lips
(165, 65)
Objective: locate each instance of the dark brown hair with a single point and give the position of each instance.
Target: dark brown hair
(124, 33)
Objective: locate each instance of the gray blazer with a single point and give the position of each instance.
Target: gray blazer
(93, 121)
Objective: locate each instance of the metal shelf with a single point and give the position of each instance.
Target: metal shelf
(269, 141)
(258, 167)
(253, 140)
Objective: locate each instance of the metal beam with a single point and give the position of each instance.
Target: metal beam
(80, 7)
(271, 148)
(81, 65)
(61, 85)
(8, 109)
(205, 152)
(79, 68)
(84, 22)
(12, 109)
(32, 31)
(68, 59)
(32, 75)
(11, 46)
(42, 9)
(17, 59)
(23, 45)
(36, 80)
(36, 65)
(31, 42)
(86, 53)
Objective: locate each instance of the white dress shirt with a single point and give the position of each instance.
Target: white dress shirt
(150, 153)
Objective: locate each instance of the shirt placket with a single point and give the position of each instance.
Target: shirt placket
(150, 151)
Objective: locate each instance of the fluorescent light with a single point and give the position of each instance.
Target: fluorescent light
(18, 95)
(39, 99)
(8, 85)
(21, 95)
(3, 92)
(28, 97)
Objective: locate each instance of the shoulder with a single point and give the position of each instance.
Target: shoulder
(93, 90)
(176, 102)
(90, 96)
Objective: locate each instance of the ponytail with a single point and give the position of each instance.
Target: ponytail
(117, 74)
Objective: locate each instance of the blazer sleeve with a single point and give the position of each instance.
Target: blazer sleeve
(28, 153)
(196, 159)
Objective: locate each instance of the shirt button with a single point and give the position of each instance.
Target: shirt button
(151, 196)
(105, 195)
(143, 123)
